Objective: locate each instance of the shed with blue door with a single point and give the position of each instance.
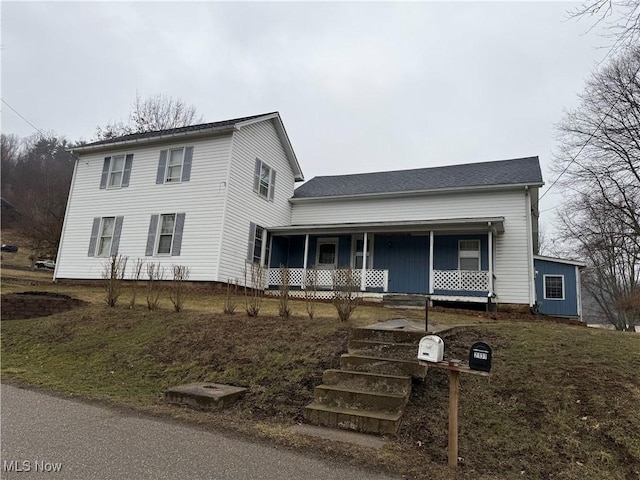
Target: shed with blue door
(558, 286)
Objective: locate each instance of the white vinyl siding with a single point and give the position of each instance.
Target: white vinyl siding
(201, 198)
(512, 254)
(260, 141)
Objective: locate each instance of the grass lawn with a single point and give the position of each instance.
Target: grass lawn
(561, 402)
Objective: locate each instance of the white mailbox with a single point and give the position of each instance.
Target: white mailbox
(431, 349)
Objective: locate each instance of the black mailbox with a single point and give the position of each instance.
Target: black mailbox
(480, 357)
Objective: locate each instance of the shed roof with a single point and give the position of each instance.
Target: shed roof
(519, 171)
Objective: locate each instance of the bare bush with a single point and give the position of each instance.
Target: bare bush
(113, 275)
(178, 292)
(229, 301)
(311, 291)
(346, 293)
(136, 274)
(253, 291)
(283, 307)
(155, 274)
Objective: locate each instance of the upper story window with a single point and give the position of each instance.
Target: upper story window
(116, 171)
(174, 165)
(264, 180)
(469, 254)
(554, 287)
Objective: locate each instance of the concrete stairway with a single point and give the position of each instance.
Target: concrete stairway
(372, 387)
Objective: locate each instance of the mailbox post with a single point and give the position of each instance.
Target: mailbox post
(455, 367)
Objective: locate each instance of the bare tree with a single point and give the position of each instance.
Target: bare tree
(621, 19)
(156, 112)
(598, 164)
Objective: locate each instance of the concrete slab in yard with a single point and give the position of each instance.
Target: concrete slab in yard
(336, 435)
(408, 325)
(208, 396)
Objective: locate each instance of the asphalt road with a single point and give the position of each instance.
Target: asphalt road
(51, 437)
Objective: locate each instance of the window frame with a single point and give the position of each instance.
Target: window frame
(260, 182)
(112, 162)
(327, 241)
(478, 257)
(355, 253)
(544, 286)
(159, 234)
(101, 235)
(168, 165)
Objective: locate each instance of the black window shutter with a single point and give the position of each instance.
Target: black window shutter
(272, 185)
(177, 235)
(252, 241)
(151, 237)
(94, 237)
(105, 172)
(186, 164)
(162, 166)
(256, 176)
(126, 175)
(115, 240)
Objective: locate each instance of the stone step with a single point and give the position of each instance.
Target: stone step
(345, 397)
(386, 335)
(414, 301)
(401, 351)
(386, 366)
(400, 384)
(368, 421)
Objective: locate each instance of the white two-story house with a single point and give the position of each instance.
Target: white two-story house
(220, 196)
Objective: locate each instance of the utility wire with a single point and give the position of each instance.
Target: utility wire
(23, 118)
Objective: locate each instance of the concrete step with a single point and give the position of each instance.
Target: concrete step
(386, 366)
(394, 300)
(345, 397)
(368, 421)
(401, 351)
(400, 384)
(387, 335)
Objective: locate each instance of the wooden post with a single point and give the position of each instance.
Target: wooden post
(454, 388)
(426, 314)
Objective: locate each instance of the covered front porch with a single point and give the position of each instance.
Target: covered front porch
(450, 260)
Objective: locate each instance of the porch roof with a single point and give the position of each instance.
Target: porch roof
(412, 226)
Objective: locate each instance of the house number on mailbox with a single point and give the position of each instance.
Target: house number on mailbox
(480, 357)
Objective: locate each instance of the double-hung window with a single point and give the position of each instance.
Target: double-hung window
(174, 165)
(264, 180)
(105, 236)
(469, 254)
(116, 171)
(257, 238)
(165, 234)
(554, 287)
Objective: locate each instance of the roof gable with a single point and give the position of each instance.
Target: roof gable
(213, 128)
(520, 171)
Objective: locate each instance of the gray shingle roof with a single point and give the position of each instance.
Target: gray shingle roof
(519, 171)
(190, 128)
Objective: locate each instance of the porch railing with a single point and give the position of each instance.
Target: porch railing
(466, 280)
(298, 277)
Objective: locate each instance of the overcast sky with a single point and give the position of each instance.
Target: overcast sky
(360, 87)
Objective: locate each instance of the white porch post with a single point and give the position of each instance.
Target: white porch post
(363, 273)
(431, 237)
(304, 261)
(263, 252)
(490, 259)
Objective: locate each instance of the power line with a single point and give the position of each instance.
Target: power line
(23, 118)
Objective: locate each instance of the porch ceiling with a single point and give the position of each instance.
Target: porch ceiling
(452, 225)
